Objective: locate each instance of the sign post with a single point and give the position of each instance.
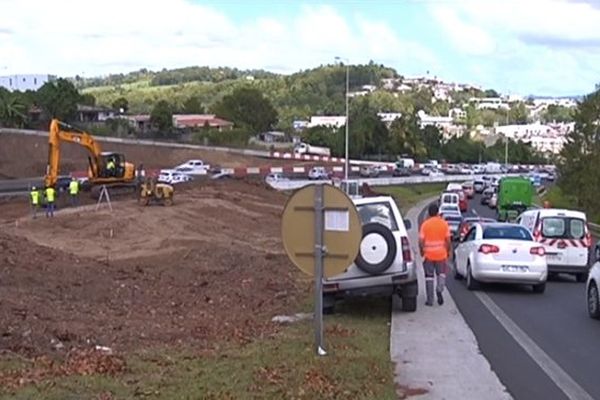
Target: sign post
(321, 233)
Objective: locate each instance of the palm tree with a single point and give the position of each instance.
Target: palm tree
(12, 111)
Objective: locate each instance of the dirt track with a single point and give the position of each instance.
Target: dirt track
(210, 268)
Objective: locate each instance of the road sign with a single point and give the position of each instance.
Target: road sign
(321, 233)
(342, 231)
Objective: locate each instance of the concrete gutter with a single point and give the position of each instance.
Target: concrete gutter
(436, 354)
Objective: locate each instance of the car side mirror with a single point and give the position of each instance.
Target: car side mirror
(407, 224)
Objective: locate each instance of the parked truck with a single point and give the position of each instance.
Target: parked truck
(308, 149)
(515, 195)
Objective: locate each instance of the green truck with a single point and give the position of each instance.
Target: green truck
(515, 195)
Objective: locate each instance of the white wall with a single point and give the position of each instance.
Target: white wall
(23, 82)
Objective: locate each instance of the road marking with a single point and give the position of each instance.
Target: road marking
(570, 388)
(475, 212)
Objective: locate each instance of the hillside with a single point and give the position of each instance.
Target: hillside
(315, 91)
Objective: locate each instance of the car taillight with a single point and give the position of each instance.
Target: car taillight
(406, 254)
(538, 250)
(488, 249)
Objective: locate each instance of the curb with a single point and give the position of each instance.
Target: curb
(431, 347)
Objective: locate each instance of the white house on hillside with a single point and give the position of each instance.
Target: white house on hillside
(331, 121)
(24, 82)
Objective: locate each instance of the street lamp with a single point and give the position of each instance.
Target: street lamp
(346, 161)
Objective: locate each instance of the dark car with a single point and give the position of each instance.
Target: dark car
(62, 183)
(401, 171)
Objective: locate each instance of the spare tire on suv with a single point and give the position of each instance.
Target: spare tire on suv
(378, 249)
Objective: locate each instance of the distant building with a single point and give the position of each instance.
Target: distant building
(333, 121)
(272, 136)
(299, 125)
(388, 118)
(186, 121)
(94, 113)
(24, 82)
(493, 103)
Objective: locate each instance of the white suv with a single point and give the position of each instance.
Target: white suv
(172, 176)
(318, 173)
(385, 264)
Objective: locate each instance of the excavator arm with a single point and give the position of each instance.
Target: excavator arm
(61, 132)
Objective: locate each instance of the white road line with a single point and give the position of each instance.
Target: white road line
(475, 212)
(571, 388)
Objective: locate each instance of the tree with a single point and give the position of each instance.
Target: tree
(491, 93)
(59, 99)
(87, 99)
(246, 107)
(193, 105)
(432, 140)
(12, 110)
(121, 104)
(161, 117)
(518, 113)
(579, 168)
(367, 133)
(405, 137)
(556, 113)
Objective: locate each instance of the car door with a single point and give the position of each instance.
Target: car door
(463, 250)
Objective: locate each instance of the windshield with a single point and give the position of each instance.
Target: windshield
(377, 212)
(452, 218)
(506, 232)
(563, 227)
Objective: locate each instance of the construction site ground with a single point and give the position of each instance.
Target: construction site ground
(171, 302)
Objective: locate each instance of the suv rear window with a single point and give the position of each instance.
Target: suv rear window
(377, 212)
(563, 227)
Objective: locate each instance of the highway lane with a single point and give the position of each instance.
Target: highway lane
(556, 322)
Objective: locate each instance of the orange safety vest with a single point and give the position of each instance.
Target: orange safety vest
(434, 234)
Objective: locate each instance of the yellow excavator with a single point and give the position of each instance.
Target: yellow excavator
(105, 168)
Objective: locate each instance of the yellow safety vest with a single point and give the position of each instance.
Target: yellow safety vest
(35, 197)
(110, 165)
(50, 192)
(73, 187)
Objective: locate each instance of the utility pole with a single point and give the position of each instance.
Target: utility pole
(346, 161)
(506, 140)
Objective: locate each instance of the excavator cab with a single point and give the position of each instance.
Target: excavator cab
(112, 165)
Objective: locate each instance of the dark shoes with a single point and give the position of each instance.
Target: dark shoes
(440, 298)
(429, 303)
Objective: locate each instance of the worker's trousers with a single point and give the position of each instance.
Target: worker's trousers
(74, 200)
(439, 269)
(34, 208)
(50, 210)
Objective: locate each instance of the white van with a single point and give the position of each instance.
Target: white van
(565, 236)
(449, 198)
(454, 187)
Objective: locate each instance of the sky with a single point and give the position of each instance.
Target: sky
(540, 47)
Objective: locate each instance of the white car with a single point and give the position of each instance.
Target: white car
(447, 208)
(193, 167)
(318, 173)
(171, 176)
(275, 177)
(493, 201)
(499, 252)
(466, 170)
(385, 263)
(592, 293)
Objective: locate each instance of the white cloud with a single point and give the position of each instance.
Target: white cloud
(65, 37)
(467, 38)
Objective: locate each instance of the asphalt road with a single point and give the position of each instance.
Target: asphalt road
(540, 346)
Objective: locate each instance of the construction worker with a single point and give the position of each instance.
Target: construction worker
(74, 192)
(436, 245)
(110, 167)
(35, 201)
(50, 199)
(546, 204)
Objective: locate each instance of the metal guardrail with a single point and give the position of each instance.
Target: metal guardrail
(297, 184)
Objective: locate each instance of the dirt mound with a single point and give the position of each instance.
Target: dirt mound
(207, 269)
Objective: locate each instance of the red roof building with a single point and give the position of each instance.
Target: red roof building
(183, 121)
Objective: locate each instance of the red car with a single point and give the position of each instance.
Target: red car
(467, 222)
(463, 203)
(468, 189)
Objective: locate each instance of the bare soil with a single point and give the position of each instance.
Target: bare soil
(24, 156)
(208, 269)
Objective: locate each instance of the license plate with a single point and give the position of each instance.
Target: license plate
(514, 268)
(553, 257)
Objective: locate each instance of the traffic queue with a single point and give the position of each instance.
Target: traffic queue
(521, 242)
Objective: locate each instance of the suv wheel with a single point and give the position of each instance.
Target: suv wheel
(409, 304)
(593, 302)
(378, 249)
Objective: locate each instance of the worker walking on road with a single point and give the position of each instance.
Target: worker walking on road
(436, 245)
(74, 192)
(50, 199)
(35, 201)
